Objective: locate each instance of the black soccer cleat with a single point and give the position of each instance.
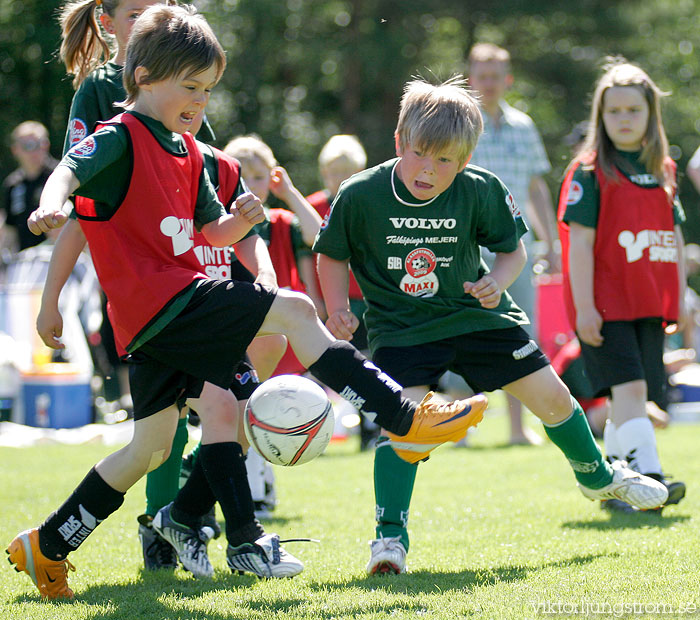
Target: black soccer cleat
(158, 553)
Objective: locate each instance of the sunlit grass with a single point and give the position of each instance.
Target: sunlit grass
(496, 532)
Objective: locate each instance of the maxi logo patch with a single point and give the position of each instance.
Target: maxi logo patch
(85, 148)
(575, 193)
(514, 208)
(420, 279)
(77, 130)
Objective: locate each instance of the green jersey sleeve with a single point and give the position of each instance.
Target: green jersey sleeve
(91, 158)
(332, 238)
(584, 202)
(95, 100)
(499, 224)
(208, 207)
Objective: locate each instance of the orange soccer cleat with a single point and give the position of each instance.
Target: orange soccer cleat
(435, 423)
(49, 576)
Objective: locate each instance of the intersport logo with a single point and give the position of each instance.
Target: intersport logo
(661, 245)
(423, 223)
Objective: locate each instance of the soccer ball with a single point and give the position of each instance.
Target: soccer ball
(289, 420)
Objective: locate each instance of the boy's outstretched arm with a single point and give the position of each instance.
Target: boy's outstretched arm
(334, 277)
(49, 323)
(581, 271)
(245, 212)
(58, 188)
(506, 269)
(255, 257)
(309, 220)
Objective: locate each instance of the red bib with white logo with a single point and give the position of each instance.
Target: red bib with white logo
(282, 252)
(635, 252)
(216, 262)
(143, 253)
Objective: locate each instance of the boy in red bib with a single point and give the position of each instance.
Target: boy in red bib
(182, 330)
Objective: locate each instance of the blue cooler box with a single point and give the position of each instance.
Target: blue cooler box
(57, 396)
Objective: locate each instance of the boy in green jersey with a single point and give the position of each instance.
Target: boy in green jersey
(411, 229)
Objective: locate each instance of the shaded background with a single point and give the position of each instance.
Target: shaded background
(302, 70)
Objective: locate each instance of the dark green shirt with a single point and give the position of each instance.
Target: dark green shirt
(411, 261)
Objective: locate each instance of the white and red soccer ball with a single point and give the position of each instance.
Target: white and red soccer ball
(289, 420)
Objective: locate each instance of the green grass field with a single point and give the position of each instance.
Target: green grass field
(497, 532)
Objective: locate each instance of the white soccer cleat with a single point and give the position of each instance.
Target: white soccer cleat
(264, 558)
(387, 556)
(189, 544)
(637, 490)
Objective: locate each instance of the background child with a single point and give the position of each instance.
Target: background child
(412, 229)
(255, 265)
(288, 233)
(94, 37)
(623, 259)
(21, 189)
(340, 158)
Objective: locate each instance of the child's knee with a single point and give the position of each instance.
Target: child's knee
(298, 307)
(146, 458)
(555, 404)
(217, 406)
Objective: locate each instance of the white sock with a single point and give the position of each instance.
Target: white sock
(638, 444)
(255, 467)
(612, 446)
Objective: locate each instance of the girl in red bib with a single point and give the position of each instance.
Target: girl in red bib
(622, 257)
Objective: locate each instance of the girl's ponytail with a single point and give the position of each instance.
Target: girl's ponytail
(83, 46)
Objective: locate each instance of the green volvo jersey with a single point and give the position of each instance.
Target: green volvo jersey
(411, 260)
(96, 100)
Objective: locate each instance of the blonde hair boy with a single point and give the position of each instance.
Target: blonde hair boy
(340, 158)
(343, 147)
(247, 148)
(437, 118)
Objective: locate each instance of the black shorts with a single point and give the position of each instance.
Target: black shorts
(239, 272)
(245, 380)
(631, 350)
(205, 342)
(486, 360)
